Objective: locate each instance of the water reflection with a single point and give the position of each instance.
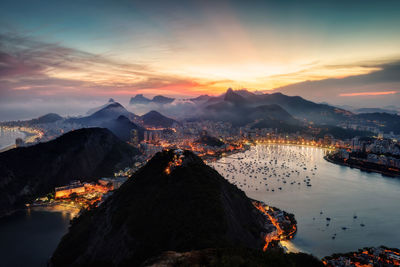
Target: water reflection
(29, 237)
(338, 209)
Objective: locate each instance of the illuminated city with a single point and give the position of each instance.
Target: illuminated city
(200, 133)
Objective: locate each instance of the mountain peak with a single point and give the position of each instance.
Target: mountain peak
(156, 119)
(47, 118)
(139, 99)
(113, 105)
(233, 97)
(153, 112)
(162, 99)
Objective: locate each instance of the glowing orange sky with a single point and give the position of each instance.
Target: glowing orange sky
(187, 48)
(370, 93)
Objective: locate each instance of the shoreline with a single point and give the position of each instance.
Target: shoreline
(209, 158)
(27, 136)
(13, 145)
(7, 147)
(56, 207)
(361, 168)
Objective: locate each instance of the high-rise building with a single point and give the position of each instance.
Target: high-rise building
(145, 136)
(19, 142)
(134, 137)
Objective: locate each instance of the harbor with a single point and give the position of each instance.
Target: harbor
(337, 209)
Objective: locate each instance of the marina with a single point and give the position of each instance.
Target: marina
(338, 209)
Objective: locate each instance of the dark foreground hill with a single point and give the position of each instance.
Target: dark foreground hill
(192, 207)
(84, 154)
(234, 257)
(174, 203)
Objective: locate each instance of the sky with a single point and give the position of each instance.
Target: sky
(341, 52)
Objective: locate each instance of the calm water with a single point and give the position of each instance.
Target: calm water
(340, 193)
(7, 137)
(28, 238)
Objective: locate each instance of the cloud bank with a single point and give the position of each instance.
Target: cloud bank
(376, 89)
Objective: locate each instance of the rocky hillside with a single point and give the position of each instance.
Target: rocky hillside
(122, 128)
(174, 203)
(228, 257)
(156, 119)
(84, 154)
(210, 141)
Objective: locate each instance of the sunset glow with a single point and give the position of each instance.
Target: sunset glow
(198, 47)
(370, 93)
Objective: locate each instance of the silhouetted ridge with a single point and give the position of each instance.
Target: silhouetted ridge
(84, 154)
(156, 119)
(186, 207)
(109, 112)
(233, 97)
(48, 118)
(139, 99)
(162, 99)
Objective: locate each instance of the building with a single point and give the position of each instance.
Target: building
(134, 137)
(65, 191)
(114, 182)
(328, 139)
(145, 136)
(19, 142)
(117, 182)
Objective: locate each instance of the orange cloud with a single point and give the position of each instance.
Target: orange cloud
(369, 93)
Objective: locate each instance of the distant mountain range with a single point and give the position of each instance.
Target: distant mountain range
(288, 112)
(242, 102)
(119, 120)
(241, 111)
(93, 110)
(276, 110)
(47, 118)
(159, 99)
(111, 111)
(376, 110)
(114, 117)
(85, 154)
(156, 119)
(240, 107)
(387, 122)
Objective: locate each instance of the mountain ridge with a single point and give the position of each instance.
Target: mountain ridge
(86, 154)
